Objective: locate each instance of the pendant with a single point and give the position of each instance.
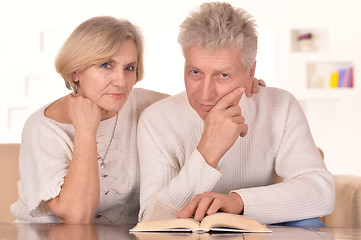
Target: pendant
(102, 165)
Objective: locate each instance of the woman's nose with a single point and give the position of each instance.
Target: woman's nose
(119, 78)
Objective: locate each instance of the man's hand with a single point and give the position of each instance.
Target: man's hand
(223, 125)
(255, 86)
(209, 203)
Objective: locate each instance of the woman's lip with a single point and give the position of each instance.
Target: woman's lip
(116, 95)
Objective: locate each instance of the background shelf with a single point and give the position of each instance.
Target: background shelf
(309, 40)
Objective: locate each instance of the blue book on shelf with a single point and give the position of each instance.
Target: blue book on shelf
(341, 77)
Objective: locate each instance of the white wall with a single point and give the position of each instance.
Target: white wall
(33, 31)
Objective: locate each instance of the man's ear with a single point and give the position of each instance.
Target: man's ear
(252, 71)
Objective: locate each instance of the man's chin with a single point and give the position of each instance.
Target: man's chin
(203, 115)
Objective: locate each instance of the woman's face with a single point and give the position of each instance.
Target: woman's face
(109, 84)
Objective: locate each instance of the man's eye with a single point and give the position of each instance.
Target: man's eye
(195, 75)
(224, 75)
(106, 65)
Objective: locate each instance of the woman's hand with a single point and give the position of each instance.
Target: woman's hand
(79, 196)
(255, 86)
(84, 114)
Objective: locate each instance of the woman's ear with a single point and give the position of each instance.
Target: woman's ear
(75, 76)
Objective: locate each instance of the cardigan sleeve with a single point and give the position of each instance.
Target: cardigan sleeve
(307, 187)
(166, 177)
(44, 160)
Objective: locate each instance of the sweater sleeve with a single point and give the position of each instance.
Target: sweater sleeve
(307, 188)
(166, 176)
(44, 160)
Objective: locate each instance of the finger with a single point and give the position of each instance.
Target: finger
(233, 111)
(203, 208)
(239, 119)
(262, 83)
(215, 206)
(249, 92)
(255, 86)
(229, 99)
(244, 130)
(185, 213)
(188, 209)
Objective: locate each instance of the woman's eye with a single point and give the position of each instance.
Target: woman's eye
(130, 68)
(106, 65)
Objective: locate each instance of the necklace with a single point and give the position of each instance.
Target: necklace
(102, 164)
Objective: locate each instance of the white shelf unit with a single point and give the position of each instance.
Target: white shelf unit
(332, 113)
(309, 40)
(335, 75)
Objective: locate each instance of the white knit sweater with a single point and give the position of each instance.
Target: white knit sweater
(278, 146)
(46, 153)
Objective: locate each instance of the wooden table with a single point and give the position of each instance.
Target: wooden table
(10, 231)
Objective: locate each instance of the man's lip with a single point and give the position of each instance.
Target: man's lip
(205, 107)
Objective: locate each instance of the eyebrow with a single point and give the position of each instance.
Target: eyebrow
(133, 63)
(227, 68)
(112, 61)
(191, 66)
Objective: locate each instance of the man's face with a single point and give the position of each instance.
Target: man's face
(210, 75)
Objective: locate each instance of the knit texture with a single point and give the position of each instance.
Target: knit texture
(46, 153)
(276, 168)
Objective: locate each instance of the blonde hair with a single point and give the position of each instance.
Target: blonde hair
(95, 41)
(217, 25)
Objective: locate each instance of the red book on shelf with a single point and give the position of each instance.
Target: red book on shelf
(346, 78)
(351, 78)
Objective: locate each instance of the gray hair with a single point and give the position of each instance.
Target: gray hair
(216, 25)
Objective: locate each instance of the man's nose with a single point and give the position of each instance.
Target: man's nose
(208, 89)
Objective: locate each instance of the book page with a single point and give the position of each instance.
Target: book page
(190, 236)
(161, 216)
(160, 210)
(168, 225)
(167, 236)
(239, 223)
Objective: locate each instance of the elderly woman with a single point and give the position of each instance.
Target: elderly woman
(78, 159)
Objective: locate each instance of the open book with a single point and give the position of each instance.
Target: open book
(218, 222)
(191, 236)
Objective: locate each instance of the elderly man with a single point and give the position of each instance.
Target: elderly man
(209, 149)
